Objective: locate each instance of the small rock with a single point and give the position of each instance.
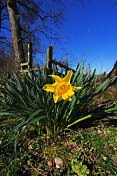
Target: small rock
(58, 162)
(49, 163)
(31, 142)
(104, 158)
(99, 131)
(30, 147)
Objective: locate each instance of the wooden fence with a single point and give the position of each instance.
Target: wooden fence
(49, 61)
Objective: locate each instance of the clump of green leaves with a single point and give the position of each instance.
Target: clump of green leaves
(78, 167)
(28, 103)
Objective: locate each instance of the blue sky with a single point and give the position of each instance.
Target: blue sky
(92, 34)
(95, 30)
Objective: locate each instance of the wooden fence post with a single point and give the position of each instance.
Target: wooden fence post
(66, 65)
(49, 58)
(29, 55)
(49, 61)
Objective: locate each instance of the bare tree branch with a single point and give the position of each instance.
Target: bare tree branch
(5, 44)
(4, 19)
(5, 28)
(5, 38)
(3, 6)
(113, 6)
(4, 15)
(42, 18)
(20, 3)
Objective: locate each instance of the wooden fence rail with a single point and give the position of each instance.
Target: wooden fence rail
(49, 61)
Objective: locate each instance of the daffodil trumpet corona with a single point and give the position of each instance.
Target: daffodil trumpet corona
(62, 87)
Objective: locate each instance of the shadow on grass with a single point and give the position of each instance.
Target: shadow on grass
(98, 116)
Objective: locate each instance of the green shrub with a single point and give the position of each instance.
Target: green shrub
(29, 104)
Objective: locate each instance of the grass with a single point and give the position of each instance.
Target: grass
(90, 149)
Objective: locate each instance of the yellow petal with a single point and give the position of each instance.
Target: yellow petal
(68, 77)
(50, 87)
(69, 99)
(62, 87)
(76, 87)
(58, 79)
(56, 97)
(71, 92)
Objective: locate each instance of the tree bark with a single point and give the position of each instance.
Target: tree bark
(0, 14)
(16, 33)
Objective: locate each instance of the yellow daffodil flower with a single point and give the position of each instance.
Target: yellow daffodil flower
(22, 79)
(61, 88)
(2, 86)
(56, 66)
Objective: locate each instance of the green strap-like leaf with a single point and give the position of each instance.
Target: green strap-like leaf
(9, 114)
(79, 120)
(30, 118)
(77, 73)
(86, 78)
(79, 79)
(16, 95)
(71, 107)
(37, 119)
(111, 110)
(101, 88)
(10, 140)
(83, 92)
(113, 79)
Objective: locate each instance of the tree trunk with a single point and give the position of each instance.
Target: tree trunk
(0, 14)
(16, 33)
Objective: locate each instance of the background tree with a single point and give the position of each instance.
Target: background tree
(24, 14)
(16, 33)
(30, 20)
